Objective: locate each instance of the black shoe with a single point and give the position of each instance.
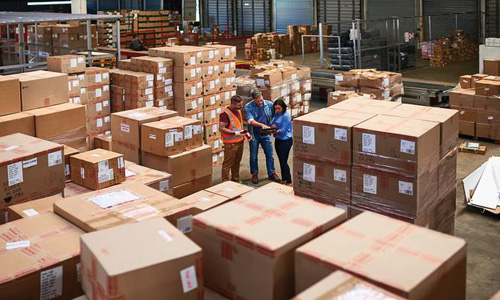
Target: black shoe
(275, 178)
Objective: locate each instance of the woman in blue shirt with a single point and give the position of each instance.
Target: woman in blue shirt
(283, 123)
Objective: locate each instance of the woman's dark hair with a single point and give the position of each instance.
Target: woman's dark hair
(281, 103)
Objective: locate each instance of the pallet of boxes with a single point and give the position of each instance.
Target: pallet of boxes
(282, 79)
(360, 166)
(382, 85)
(477, 102)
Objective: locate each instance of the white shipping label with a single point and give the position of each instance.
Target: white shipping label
(185, 224)
(341, 134)
(165, 235)
(55, 158)
(386, 82)
(368, 142)
(340, 175)
(198, 70)
(212, 100)
(214, 158)
(215, 128)
(98, 93)
(308, 135)
(194, 105)
(121, 163)
(226, 68)
(81, 77)
(105, 88)
(233, 65)
(491, 118)
(67, 171)
(192, 60)
(387, 94)
(188, 132)
(148, 91)
(107, 119)
(193, 72)
(129, 173)
(161, 103)
(150, 77)
(103, 166)
(80, 60)
(30, 212)
(151, 83)
(213, 114)
(406, 188)
(99, 123)
(227, 52)
(341, 206)
(193, 90)
(309, 172)
(83, 91)
(152, 136)
(82, 173)
(98, 78)
(178, 136)
(105, 75)
(73, 62)
(407, 147)
(163, 185)
(125, 127)
(169, 139)
(30, 163)
(17, 245)
(168, 88)
(210, 70)
(162, 71)
(188, 278)
(339, 77)
(51, 283)
(77, 100)
(260, 82)
(370, 184)
(105, 103)
(76, 83)
(199, 54)
(233, 93)
(212, 84)
(159, 77)
(226, 95)
(114, 198)
(228, 81)
(216, 144)
(98, 107)
(210, 54)
(294, 76)
(168, 81)
(197, 129)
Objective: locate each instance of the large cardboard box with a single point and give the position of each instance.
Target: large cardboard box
(189, 105)
(103, 142)
(491, 67)
(230, 189)
(17, 123)
(154, 65)
(248, 253)
(321, 180)
(118, 205)
(168, 268)
(32, 208)
(488, 88)
(97, 169)
(10, 96)
(341, 284)
(268, 78)
(184, 167)
(181, 56)
(488, 131)
(437, 261)
(379, 80)
(400, 145)
(188, 89)
(365, 105)
(466, 114)
(193, 131)
(68, 64)
(150, 177)
(72, 189)
(42, 88)
(162, 138)
(203, 201)
(97, 76)
(462, 98)
(191, 187)
(326, 135)
(63, 124)
(467, 128)
(487, 103)
(211, 70)
(185, 74)
(30, 168)
(223, 52)
(40, 259)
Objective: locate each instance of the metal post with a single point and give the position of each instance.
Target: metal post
(354, 45)
(321, 45)
(303, 51)
(387, 44)
(456, 21)
(430, 28)
(118, 48)
(36, 42)
(394, 44)
(399, 45)
(20, 28)
(9, 48)
(89, 43)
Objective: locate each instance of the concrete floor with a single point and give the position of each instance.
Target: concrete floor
(480, 230)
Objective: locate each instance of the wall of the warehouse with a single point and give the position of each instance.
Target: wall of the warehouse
(292, 12)
(338, 13)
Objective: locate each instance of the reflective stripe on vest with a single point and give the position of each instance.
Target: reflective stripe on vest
(232, 138)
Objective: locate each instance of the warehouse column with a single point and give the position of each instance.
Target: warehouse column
(78, 6)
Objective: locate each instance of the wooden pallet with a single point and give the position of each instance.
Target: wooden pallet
(481, 150)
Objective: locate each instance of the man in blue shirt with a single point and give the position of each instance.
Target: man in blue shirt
(259, 114)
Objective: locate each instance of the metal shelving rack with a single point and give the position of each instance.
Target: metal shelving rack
(20, 19)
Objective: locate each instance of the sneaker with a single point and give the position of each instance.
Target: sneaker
(275, 178)
(255, 178)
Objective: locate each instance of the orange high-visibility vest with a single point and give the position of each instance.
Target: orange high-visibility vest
(236, 125)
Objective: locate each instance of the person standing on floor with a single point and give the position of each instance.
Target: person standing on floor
(282, 121)
(259, 114)
(231, 127)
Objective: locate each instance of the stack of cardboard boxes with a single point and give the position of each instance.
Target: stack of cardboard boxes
(360, 166)
(458, 48)
(136, 89)
(295, 39)
(383, 85)
(339, 96)
(477, 102)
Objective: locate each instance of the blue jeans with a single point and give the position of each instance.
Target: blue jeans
(265, 142)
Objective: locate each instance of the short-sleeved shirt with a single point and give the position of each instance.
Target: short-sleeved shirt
(223, 117)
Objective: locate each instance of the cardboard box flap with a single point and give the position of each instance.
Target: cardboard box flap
(230, 189)
(362, 104)
(97, 155)
(145, 113)
(383, 249)
(35, 207)
(140, 174)
(336, 117)
(397, 125)
(18, 145)
(204, 200)
(154, 241)
(50, 237)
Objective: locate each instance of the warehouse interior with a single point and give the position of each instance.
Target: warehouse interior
(250, 149)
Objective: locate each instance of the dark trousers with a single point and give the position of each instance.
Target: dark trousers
(283, 150)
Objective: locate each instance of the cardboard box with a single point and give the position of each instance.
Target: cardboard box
(184, 167)
(95, 75)
(211, 115)
(31, 168)
(97, 169)
(462, 98)
(365, 105)
(53, 272)
(103, 142)
(152, 178)
(98, 92)
(10, 97)
(488, 131)
(32, 208)
(189, 105)
(67, 64)
(324, 181)
(185, 74)
(118, 205)
(162, 138)
(341, 284)
(154, 65)
(467, 128)
(230, 189)
(63, 124)
(193, 131)
(268, 78)
(491, 118)
(212, 131)
(202, 201)
(491, 67)
(68, 152)
(466, 82)
(169, 254)
(404, 146)
(379, 80)
(223, 52)
(212, 101)
(466, 114)
(71, 189)
(17, 123)
(188, 89)
(180, 55)
(227, 67)
(186, 189)
(326, 135)
(487, 103)
(487, 88)
(42, 88)
(212, 85)
(231, 254)
(341, 248)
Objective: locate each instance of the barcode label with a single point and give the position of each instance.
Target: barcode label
(309, 172)
(406, 188)
(185, 224)
(370, 184)
(341, 134)
(407, 147)
(308, 135)
(55, 158)
(340, 175)
(368, 142)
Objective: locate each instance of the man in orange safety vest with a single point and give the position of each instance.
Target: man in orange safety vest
(231, 128)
